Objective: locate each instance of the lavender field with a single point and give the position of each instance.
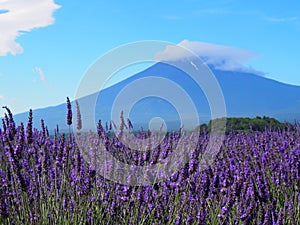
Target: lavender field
(254, 179)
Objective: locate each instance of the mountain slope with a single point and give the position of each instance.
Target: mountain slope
(245, 94)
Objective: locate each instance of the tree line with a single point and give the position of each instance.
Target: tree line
(246, 124)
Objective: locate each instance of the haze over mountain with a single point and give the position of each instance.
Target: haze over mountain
(246, 95)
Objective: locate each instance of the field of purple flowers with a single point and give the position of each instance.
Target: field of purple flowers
(44, 179)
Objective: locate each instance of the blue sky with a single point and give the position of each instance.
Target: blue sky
(46, 46)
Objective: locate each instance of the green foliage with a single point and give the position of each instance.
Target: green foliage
(240, 124)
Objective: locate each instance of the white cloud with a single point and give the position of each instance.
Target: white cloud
(282, 19)
(221, 57)
(1, 97)
(41, 73)
(22, 16)
(216, 11)
(172, 17)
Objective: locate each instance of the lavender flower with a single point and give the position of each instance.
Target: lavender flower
(79, 121)
(11, 122)
(29, 128)
(69, 112)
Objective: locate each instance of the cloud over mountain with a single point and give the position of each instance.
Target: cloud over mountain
(22, 16)
(221, 57)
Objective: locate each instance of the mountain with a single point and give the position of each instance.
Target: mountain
(245, 95)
